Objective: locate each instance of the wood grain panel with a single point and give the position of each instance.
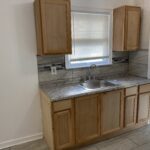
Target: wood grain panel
(144, 88)
(39, 37)
(56, 23)
(130, 111)
(126, 28)
(87, 118)
(118, 29)
(47, 119)
(131, 91)
(62, 105)
(63, 127)
(111, 112)
(133, 21)
(143, 107)
(53, 26)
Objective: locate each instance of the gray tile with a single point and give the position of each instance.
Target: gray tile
(6, 149)
(139, 137)
(117, 144)
(145, 129)
(44, 76)
(140, 56)
(61, 75)
(143, 147)
(80, 73)
(92, 147)
(50, 59)
(138, 69)
(37, 145)
(138, 63)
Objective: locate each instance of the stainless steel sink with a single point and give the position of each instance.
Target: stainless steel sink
(94, 84)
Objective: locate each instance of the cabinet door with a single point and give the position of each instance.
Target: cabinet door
(143, 107)
(111, 112)
(130, 110)
(118, 29)
(63, 129)
(56, 26)
(87, 118)
(133, 19)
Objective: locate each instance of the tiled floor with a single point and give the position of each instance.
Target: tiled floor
(135, 140)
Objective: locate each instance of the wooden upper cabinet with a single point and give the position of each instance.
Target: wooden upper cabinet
(87, 118)
(111, 112)
(126, 28)
(53, 26)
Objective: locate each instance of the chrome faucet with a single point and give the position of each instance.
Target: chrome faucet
(90, 76)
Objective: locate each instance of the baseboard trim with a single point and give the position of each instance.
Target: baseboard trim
(21, 140)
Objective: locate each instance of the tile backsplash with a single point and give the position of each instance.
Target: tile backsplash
(138, 63)
(119, 67)
(134, 63)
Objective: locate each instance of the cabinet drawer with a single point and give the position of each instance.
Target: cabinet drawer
(144, 88)
(62, 105)
(131, 91)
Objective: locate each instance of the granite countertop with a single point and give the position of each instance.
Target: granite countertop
(59, 91)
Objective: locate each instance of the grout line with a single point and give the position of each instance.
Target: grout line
(132, 141)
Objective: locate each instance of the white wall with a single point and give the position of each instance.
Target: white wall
(104, 4)
(145, 33)
(20, 117)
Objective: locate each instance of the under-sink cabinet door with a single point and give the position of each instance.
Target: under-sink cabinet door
(130, 111)
(64, 127)
(87, 118)
(143, 107)
(111, 112)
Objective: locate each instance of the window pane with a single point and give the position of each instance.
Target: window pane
(90, 35)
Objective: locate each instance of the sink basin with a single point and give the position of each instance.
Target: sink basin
(94, 84)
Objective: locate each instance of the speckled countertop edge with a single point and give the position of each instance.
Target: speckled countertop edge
(60, 91)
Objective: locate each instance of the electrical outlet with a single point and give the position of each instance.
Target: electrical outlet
(53, 70)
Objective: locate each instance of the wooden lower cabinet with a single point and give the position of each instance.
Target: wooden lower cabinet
(111, 112)
(143, 107)
(87, 118)
(63, 129)
(75, 122)
(130, 112)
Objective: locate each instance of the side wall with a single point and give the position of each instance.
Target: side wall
(19, 95)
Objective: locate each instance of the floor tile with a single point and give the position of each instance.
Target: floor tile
(92, 147)
(135, 140)
(37, 145)
(139, 137)
(143, 147)
(145, 129)
(117, 144)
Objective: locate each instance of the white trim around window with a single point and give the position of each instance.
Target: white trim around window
(73, 62)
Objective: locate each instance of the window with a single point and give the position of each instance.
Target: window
(91, 40)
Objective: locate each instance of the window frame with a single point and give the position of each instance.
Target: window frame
(68, 64)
